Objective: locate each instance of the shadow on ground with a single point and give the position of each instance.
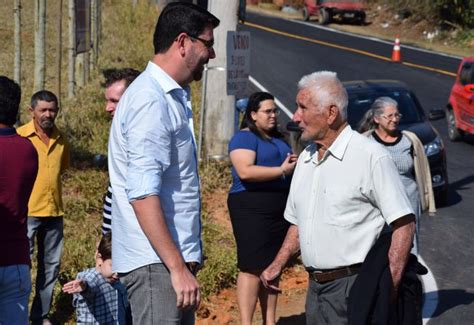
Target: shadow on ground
(448, 299)
(293, 320)
(454, 187)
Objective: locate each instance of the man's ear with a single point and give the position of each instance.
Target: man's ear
(181, 41)
(30, 110)
(333, 114)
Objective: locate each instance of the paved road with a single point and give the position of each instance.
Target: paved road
(278, 60)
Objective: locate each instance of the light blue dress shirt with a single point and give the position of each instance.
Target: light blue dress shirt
(152, 151)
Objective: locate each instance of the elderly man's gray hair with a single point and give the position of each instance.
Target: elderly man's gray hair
(328, 88)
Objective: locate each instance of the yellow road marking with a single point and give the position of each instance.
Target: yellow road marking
(348, 49)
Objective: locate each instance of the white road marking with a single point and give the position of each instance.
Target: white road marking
(430, 292)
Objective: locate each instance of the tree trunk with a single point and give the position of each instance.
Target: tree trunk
(71, 50)
(59, 43)
(17, 37)
(219, 107)
(94, 29)
(40, 27)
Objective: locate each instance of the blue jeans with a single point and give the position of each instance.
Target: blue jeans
(48, 232)
(152, 297)
(15, 288)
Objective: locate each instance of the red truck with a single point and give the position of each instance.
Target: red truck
(460, 108)
(326, 10)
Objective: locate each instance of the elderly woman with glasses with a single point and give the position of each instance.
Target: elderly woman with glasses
(380, 123)
(262, 165)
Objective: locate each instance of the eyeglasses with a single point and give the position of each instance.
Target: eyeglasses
(395, 116)
(209, 44)
(271, 111)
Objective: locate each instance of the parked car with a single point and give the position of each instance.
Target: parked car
(460, 108)
(326, 10)
(361, 96)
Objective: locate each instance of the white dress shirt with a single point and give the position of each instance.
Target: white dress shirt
(152, 152)
(341, 203)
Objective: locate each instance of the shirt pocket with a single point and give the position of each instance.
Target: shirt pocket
(342, 205)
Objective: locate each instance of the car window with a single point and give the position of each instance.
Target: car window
(360, 103)
(466, 75)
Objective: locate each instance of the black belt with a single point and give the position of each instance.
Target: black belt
(324, 276)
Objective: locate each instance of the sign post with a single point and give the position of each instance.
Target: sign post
(238, 62)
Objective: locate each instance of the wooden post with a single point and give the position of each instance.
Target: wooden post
(71, 50)
(59, 54)
(40, 28)
(17, 41)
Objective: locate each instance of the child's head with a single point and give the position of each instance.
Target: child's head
(103, 259)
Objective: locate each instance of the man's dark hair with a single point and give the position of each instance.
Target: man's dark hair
(177, 18)
(44, 95)
(10, 95)
(105, 246)
(253, 105)
(113, 75)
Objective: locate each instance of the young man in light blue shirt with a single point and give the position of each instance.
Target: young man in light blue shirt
(154, 172)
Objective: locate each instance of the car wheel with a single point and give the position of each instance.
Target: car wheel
(324, 16)
(454, 134)
(361, 18)
(306, 14)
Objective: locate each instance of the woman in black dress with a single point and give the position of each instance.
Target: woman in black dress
(262, 164)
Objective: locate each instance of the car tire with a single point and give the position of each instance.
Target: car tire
(454, 134)
(306, 14)
(361, 18)
(324, 16)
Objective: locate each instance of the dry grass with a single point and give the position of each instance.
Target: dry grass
(127, 42)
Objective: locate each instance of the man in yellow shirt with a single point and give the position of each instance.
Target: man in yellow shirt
(45, 207)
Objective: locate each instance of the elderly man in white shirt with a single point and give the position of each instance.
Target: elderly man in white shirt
(344, 190)
(156, 243)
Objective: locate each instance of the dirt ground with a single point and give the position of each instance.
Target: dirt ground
(222, 308)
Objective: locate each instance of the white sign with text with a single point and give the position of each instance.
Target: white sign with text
(238, 62)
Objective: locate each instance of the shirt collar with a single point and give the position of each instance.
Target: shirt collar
(339, 146)
(7, 131)
(30, 130)
(167, 83)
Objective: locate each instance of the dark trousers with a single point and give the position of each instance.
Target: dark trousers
(326, 303)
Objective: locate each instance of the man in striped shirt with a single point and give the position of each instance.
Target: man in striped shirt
(116, 81)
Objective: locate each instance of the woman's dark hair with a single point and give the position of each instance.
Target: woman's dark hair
(105, 246)
(253, 106)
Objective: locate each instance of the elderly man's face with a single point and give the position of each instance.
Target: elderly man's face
(312, 122)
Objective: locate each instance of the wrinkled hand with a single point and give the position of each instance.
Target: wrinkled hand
(270, 276)
(289, 164)
(75, 286)
(396, 279)
(187, 289)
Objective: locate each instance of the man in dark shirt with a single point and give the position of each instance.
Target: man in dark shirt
(18, 169)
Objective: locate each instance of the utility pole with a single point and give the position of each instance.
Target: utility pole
(218, 106)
